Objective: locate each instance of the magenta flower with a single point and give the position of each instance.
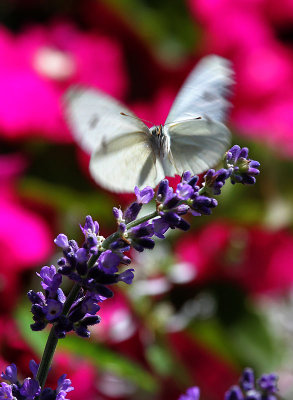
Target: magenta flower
(250, 34)
(39, 64)
(20, 230)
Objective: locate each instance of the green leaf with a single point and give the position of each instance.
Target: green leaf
(246, 342)
(110, 361)
(253, 342)
(212, 334)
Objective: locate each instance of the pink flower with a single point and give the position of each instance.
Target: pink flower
(38, 65)
(82, 374)
(25, 239)
(257, 260)
(250, 34)
(118, 322)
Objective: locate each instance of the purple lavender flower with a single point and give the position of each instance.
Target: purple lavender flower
(118, 214)
(247, 381)
(81, 327)
(132, 212)
(53, 309)
(126, 276)
(160, 227)
(33, 368)
(90, 304)
(234, 393)
(192, 180)
(265, 389)
(10, 374)
(6, 392)
(62, 241)
(215, 180)
(50, 279)
(184, 191)
(192, 393)
(202, 205)
(140, 236)
(64, 387)
(164, 191)
(30, 389)
(108, 262)
(268, 383)
(91, 231)
(145, 195)
(243, 170)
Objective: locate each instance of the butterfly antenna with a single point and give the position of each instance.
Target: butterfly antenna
(184, 120)
(133, 116)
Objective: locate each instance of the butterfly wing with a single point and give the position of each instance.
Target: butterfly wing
(95, 117)
(204, 92)
(197, 145)
(126, 161)
(198, 138)
(122, 154)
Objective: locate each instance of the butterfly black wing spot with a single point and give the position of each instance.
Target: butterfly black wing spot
(104, 146)
(209, 97)
(93, 122)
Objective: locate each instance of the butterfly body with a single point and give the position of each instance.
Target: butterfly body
(125, 152)
(160, 140)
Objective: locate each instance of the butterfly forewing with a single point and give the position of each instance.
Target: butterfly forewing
(96, 118)
(205, 91)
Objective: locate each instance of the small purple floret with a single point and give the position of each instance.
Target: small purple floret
(6, 391)
(127, 276)
(53, 309)
(10, 374)
(234, 393)
(109, 262)
(62, 241)
(30, 389)
(145, 195)
(192, 393)
(247, 379)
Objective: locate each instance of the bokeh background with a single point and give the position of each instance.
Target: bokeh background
(204, 304)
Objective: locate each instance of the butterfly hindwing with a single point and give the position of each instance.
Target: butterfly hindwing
(126, 161)
(197, 145)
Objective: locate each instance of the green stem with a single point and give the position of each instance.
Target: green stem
(52, 338)
(47, 357)
(138, 221)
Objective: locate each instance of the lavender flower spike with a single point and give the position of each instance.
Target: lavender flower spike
(243, 170)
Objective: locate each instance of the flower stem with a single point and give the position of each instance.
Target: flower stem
(52, 340)
(47, 358)
(138, 221)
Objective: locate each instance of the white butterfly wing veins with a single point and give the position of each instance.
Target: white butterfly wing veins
(119, 143)
(198, 137)
(125, 152)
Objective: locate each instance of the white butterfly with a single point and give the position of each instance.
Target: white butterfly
(125, 152)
